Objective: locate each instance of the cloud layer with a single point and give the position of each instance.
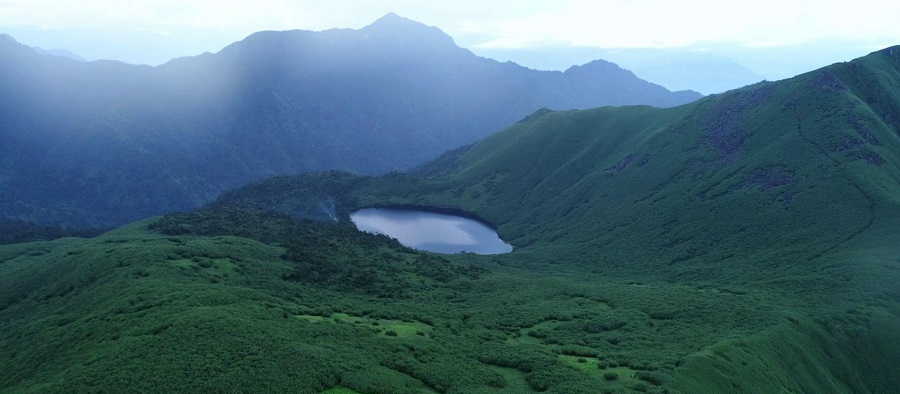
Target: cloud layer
(507, 24)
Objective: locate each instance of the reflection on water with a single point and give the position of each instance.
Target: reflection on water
(434, 232)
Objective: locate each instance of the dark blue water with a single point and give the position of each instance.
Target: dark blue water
(434, 232)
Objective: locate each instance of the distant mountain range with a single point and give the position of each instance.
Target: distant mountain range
(59, 52)
(103, 143)
(673, 68)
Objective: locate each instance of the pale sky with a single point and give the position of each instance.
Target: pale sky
(153, 31)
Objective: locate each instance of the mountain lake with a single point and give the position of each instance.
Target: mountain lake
(431, 231)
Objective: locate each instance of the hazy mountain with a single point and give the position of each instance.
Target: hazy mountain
(7, 40)
(707, 69)
(701, 72)
(59, 52)
(133, 46)
(676, 69)
(104, 142)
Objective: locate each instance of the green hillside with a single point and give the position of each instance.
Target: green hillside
(779, 175)
(228, 301)
(791, 187)
(744, 243)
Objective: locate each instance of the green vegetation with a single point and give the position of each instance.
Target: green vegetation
(17, 231)
(746, 243)
(340, 390)
(159, 317)
(387, 327)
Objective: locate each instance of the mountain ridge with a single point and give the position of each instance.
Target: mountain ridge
(790, 187)
(819, 149)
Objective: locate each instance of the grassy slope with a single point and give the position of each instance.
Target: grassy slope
(790, 188)
(620, 182)
(744, 243)
(138, 311)
(135, 310)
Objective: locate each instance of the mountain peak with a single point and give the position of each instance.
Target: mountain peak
(393, 20)
(407, 33)
(598, 64)
(395, 25)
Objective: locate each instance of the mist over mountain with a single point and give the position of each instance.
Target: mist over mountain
(702, 72)
(707, 69)
(676, 69)
(99, 143)
(59, 52)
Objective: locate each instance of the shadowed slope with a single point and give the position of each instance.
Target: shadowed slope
(104, 143)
